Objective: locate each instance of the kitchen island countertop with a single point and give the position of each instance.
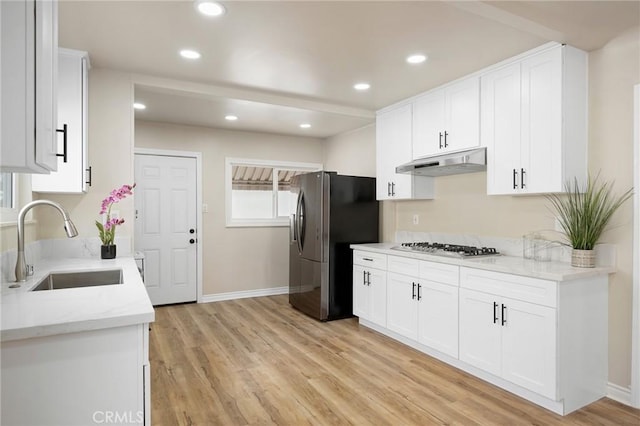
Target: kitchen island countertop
(552, 270)
(27, 314)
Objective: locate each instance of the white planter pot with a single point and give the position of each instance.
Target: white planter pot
(583, 258)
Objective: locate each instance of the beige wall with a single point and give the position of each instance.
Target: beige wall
(235, 259)
(462, 206)
(352, 153)
(614, 70)
(110, 156)
(9, 237)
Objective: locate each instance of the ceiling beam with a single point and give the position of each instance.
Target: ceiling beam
(208, 91)
(496, 14)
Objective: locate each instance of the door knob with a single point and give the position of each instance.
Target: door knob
(192, 241)
(191, 231)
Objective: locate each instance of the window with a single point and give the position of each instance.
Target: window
(6, 191)
(10, 198)
(257, 191)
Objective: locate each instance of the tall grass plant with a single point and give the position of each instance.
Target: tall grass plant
(584, 212)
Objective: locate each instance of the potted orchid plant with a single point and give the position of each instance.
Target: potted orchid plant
(107, 227)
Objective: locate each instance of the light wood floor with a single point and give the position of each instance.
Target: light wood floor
(258, 361)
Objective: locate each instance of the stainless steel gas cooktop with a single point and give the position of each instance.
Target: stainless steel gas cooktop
(449, 250)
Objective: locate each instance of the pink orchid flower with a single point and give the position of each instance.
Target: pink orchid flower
(107, 230)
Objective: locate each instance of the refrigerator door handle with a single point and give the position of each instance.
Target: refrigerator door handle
(293, 235)
(300, 222)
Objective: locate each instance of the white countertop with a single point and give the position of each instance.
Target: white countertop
(26, 314)
(554, 271)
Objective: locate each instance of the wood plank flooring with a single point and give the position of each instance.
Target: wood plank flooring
(260, 362)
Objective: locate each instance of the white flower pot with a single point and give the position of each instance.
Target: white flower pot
(583, 258)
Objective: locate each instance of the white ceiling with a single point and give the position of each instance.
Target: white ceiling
(278, 64)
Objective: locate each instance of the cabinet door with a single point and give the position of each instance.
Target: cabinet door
(370, 294)
(501, 128)
(402, 306)
(101, 370)
(542, 153)
(72, 104)
(393, 147)
(438, 317)
(361, 293)
(46, 49)
(462, 119)
(480, 332)
(28, 41)
(378, 296)
(428, 124)
(529, 346)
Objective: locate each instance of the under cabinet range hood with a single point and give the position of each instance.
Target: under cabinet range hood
(454, 163)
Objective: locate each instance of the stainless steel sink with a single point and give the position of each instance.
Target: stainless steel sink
(60, 280)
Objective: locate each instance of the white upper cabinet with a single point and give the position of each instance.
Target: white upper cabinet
(73, 174)
(393, 148)
(501, 127)
(534, 122)
(29, 43)
(447, 119)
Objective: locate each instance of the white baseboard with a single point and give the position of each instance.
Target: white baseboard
(619, 393)
(208, 298)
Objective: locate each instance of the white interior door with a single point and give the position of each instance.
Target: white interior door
(165, 229)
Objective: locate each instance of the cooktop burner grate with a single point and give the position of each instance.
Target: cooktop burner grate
(443, 249)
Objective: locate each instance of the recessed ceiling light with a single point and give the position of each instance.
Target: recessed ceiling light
(190, 54)
(305, 125)
(138, 105)
(210, 8)
(230, 117)
(362, 86)
(416, 59)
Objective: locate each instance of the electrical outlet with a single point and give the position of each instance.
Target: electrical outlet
(416, 219)
(205, 208)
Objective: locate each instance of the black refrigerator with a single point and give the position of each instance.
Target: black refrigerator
(332, 212)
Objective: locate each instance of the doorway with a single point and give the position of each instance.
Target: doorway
(167, 221)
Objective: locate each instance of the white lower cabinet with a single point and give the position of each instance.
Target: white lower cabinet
(480, 343)
(82, 378)
(370, 287)
(543, 340)
(509, 338)
(529, 347)
(438, 317)
(422, 302)
(402, 305)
